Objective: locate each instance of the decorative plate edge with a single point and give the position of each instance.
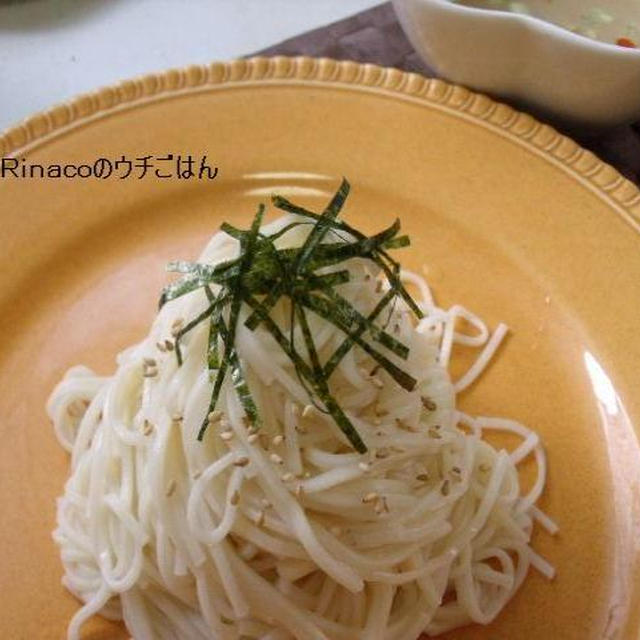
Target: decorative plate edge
(597, 174)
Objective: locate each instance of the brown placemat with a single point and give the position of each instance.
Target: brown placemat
(376, 36)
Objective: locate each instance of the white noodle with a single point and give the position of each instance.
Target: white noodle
(288, 533)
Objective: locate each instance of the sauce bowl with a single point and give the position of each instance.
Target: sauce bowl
(543, 67)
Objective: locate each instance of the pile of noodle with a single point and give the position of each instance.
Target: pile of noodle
(288, 532)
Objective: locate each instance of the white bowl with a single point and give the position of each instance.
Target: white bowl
(544, 67)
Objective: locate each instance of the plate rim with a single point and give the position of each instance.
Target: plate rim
(596, 175)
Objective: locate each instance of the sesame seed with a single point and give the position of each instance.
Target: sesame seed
(279, 439)
(423, 477)
(295, 409)
(234, 499)
(169, 346)
(252, 438)
(299, 489)
(307, 474)
(367, 277)
(377, 422)
(265, 503)
(226, 620)
(260, 518)
(396, 328)
(160, 347)
(429, 404)
(214, 416)
(177, 417)
(364, 466)
(171, 487)
(176, 327)
(307, 411)
(363, 372)
(379, 286)
(433, 433)
(147, 428)
(150, 373)
(396, 449)
(456, 470)
(374, 370)
(300, 429)
(274, 457)
(381, 506)
(242, 461)
(369, 497)
(377, 382)
(196, 475)
(149, 362)
(379, 411)
(287, 477)
(382, 453)
(226, 435)
(484, 467)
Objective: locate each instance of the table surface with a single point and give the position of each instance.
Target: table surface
(51, 50)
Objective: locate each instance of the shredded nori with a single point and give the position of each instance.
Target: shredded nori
(262, 275)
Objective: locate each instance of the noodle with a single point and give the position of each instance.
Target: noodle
(287, 532)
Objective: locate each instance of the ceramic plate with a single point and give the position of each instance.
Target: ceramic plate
(506, 216)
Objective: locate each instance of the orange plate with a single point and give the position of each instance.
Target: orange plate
(509, 218)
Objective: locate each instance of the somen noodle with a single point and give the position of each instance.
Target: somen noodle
(287, 531)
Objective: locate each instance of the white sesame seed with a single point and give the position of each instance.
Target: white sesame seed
(382, 453)
(214, 416)
(364, 466)
(171, 487)
(299, 490)
(177, 417)
(160, 347)
(235, 498)
(150, 373)
(149, 362)
(287, 477)
(226, 435)
(147, 428)
(307, 411)
(369, 497)
(252, 438)
(169, 346)
(377, 422)
(274, 457)
(242, 461)
(279, 439)
(377, 382)
(381, 506)
(196, 475)
(265, 503)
